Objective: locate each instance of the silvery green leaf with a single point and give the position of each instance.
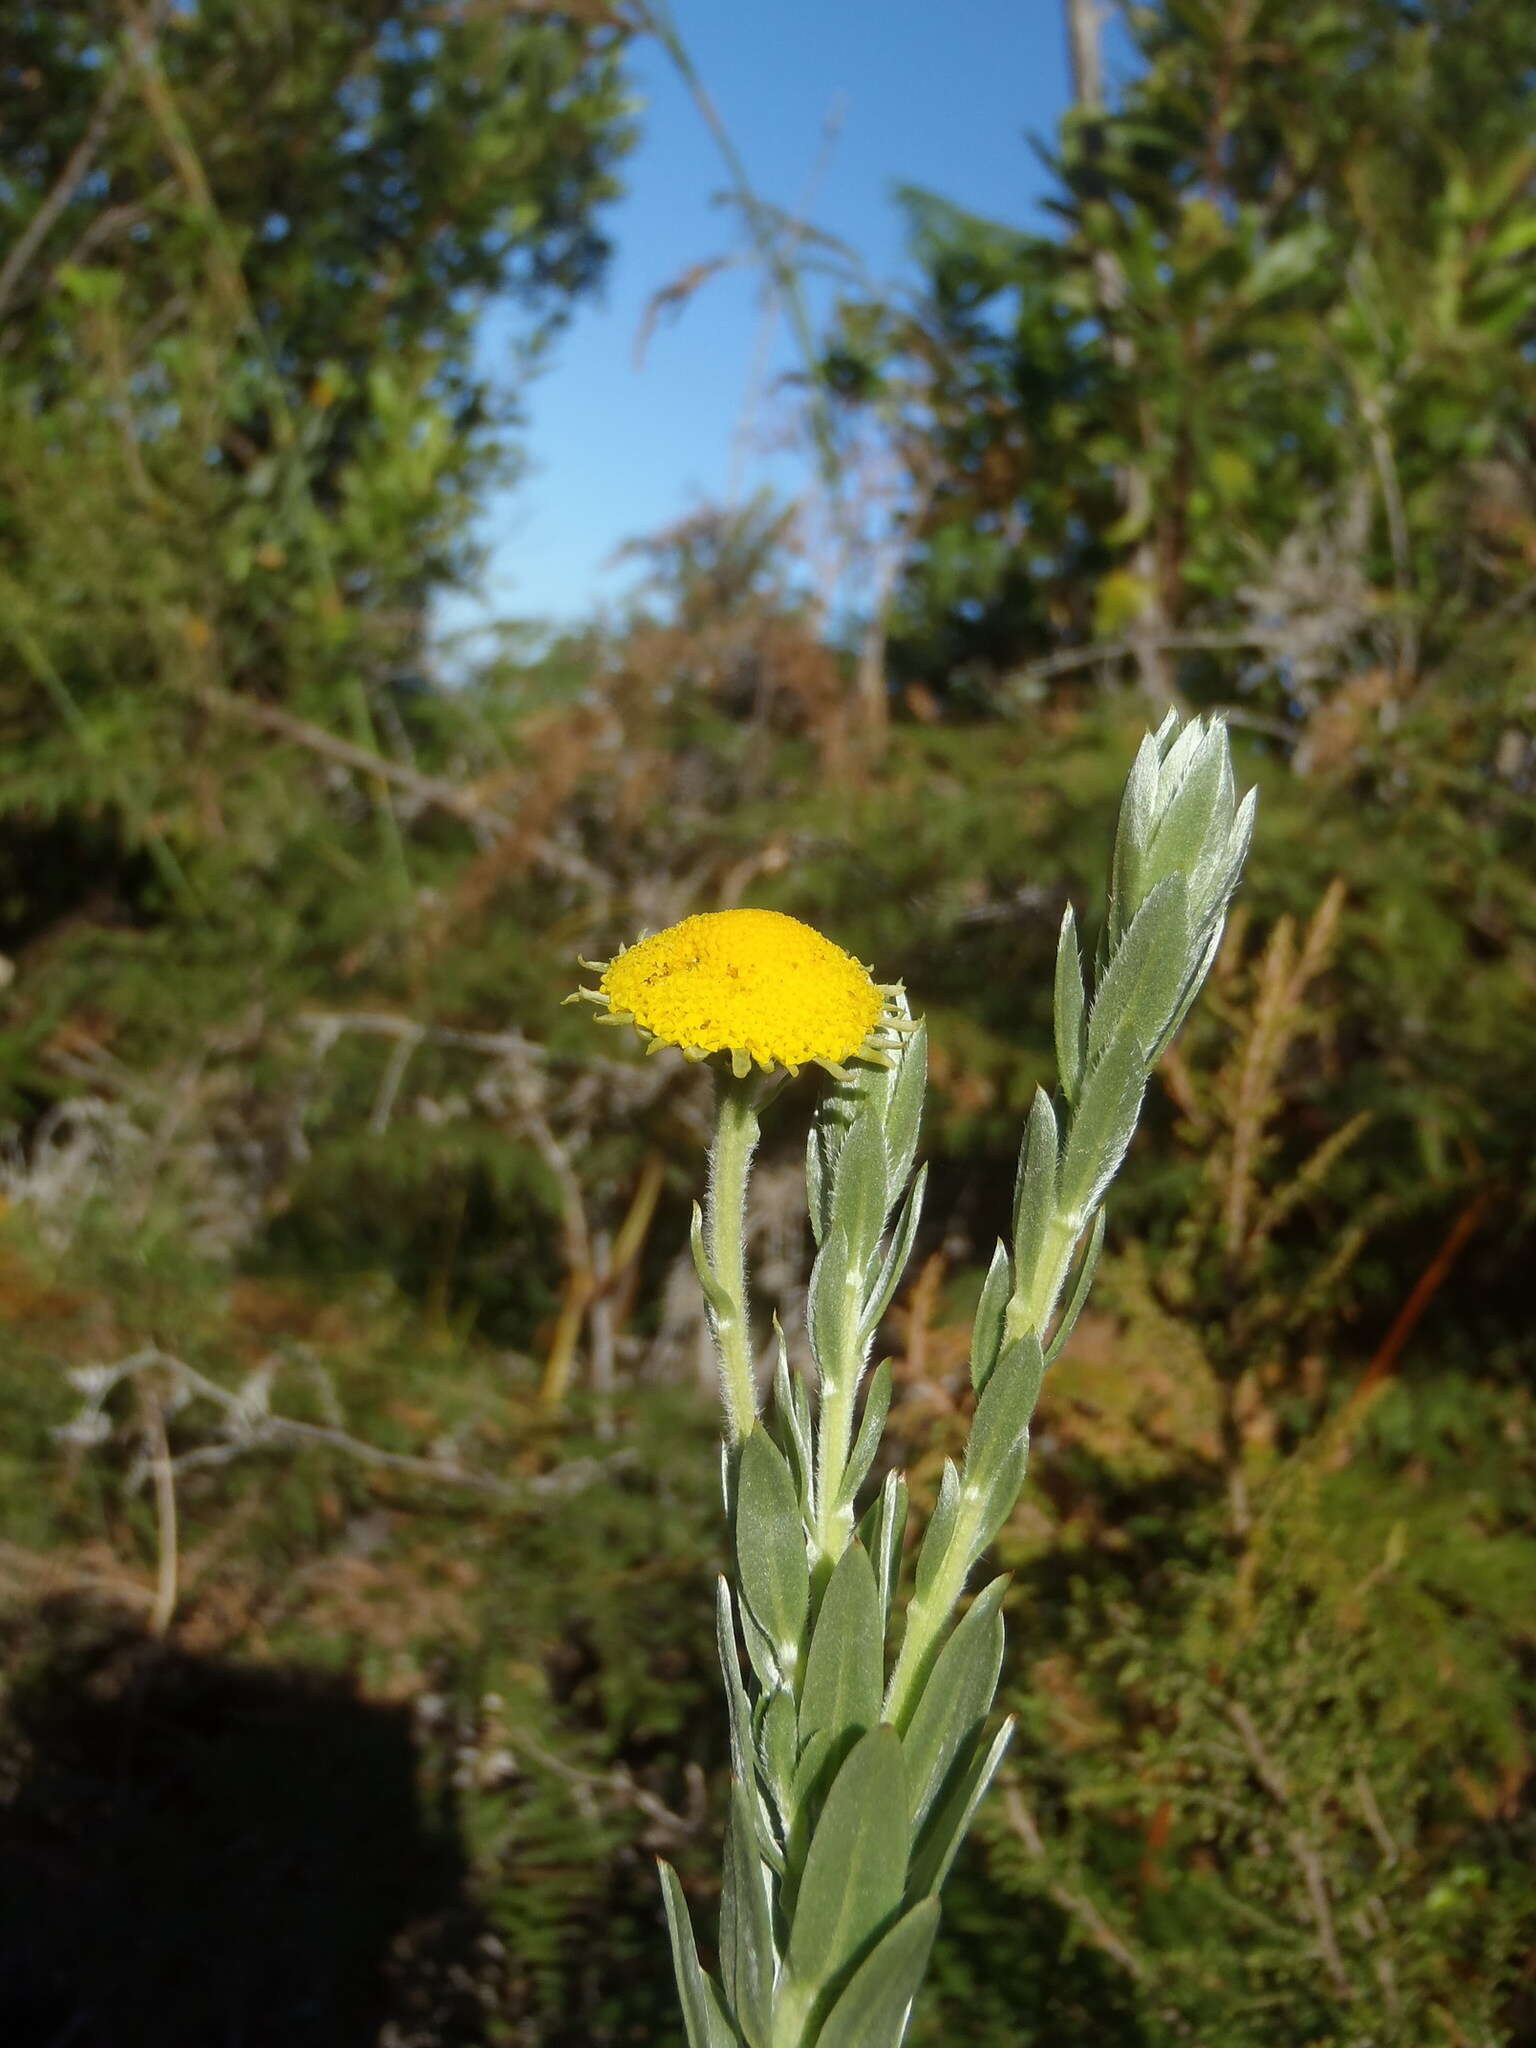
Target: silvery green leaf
(845, 1669)
(836, 1108)
(941, 1838)
(793, 1432)
(703, 2015)
(940, 1528)
(715, 1295)
(956, 1699)
(877, 1405)
(881, 1532)
(996, 1497)
(1003, 1411)
(760, 1652)
(1147, 973)
(1202, 968)
(1034, 1196)
(856, 1867)
(819, 1760)
(1183, 752)
(1102, 1127)
(800, 1402)
(771, 1565)
(872, 2010)
(904, 1109)
(743, 1753)
(861, 1188)
(832, 1307)
(728, 1484)
(897, 1252)
(987, 1329)
(1082, 1281)
(1198, 798)
(1239, 838)
(1070, 1005)
(739, 1716)
(1138, 811)
(778, 1747)
(747, 1958)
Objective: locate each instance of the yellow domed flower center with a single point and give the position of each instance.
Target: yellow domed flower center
(747, 981)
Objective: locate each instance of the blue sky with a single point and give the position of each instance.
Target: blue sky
(942, 93)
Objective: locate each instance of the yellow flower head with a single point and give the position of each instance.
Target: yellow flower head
(752, 983)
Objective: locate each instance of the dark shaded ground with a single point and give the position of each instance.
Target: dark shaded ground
(199, 1854)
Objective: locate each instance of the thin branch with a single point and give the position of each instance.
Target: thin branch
(1365, 1792)
(429, 790)
(1302, 1848)
(76, 170)
(619, 1784)
(1215, 641)
(1425, 1288)
(508, 1045)
(1076, 1905)
(432, 791)
(406, 1043)
(258, 1430)
(167, 1574)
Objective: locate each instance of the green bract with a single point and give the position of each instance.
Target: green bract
(856, 1775)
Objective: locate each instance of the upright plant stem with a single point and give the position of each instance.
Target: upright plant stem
(725, 1207)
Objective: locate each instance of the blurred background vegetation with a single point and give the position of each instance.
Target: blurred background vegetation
(356, 1467)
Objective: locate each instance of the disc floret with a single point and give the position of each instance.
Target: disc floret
(754, 984)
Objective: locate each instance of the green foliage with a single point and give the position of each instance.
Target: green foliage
(240, 425)
(1261, 392)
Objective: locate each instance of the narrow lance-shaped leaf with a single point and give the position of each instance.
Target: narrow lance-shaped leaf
(861, 1193)
(941, 1838)
(747, 1959)
(987, 1329)
(1003, 1412)
(845, 1670)
(904, 1109)
(956, 1699)
(1070, 1004)
(1137, 813)
(743, 1756)
(877, 1405)
(832, 1305)
(872, 2010)
(777, 1745)
(881, 1532)
(940, 1528)
(856, 1867)
(1034, 1201)
(703, 2015)
(739, 1717)
(1082, 1281)
(792, 1423)
(892, 1266)
(770, 1547)
(1194, 821)
(836, 1108)
(1102, 1128)
(1147, 973)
